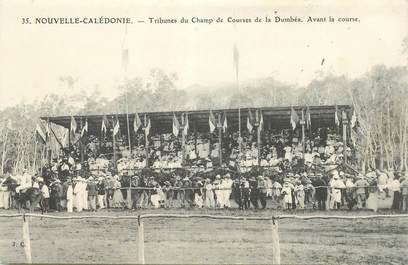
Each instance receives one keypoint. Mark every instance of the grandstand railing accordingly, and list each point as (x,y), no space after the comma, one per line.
(276,259)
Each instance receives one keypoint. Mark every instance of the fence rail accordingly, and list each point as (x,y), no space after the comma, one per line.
(141,257)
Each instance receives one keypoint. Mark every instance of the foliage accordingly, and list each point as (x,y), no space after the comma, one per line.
(379,97)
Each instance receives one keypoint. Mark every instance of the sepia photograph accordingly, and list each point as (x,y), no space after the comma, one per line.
(204,132)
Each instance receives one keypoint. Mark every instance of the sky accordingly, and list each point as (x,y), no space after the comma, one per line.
(34,57)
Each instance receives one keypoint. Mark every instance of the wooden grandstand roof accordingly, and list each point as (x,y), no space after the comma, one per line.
(274,118)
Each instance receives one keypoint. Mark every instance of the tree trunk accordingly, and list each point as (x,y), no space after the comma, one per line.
(3,158)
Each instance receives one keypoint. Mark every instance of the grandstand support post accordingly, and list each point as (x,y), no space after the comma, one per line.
(140,245)
(35,155)
(129,194)
(114,145)
(275,242)
(259,143)
(82,145)
(345,125)
(302,122)
(220,138)
(26,240)
(183,145)
(146,143)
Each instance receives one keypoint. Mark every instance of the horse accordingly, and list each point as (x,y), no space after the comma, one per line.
(31,194)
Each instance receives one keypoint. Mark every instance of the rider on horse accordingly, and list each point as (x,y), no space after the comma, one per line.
(25,181)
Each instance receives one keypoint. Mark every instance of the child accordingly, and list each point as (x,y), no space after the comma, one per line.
(287,195)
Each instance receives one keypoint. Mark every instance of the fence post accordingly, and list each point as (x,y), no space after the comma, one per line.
(275,242)
(140,254)
(26,239)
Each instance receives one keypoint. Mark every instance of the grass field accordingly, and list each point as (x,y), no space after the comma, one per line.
(380,241)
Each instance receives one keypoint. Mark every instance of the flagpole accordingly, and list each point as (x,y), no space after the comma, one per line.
(146,143)
(303,131)
(114,143)
(258,113)
(183,140)
(220,137)
(82,144)
(35,153)
(125,61)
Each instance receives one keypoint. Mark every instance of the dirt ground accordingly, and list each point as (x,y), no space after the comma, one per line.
(380,241)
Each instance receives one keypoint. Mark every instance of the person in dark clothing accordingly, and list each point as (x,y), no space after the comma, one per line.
(262,190)
(236,193)
(189,193)
(57,194)
(92,193)
(321,192)
(101,193)
(245,194)
(254,193)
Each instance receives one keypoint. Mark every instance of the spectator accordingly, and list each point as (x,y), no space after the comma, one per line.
(404,192)
(92,193)
(395,187)
(101,192)
(360,186)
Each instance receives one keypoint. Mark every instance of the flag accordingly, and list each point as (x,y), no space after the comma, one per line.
(224,122)
(65,138)
(84,129)
(116,128)
(176,125)
(353,120)
(308,119)
(104,124)
(186,125)
(336,117)
(236,60)
(261,120)
(40,132)
(294,118)
(212,122)
(249,121)
(148,126)
(73,125)
(137,123)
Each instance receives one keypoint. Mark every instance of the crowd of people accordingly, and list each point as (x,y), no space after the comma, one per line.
(307,190)
(279,149)
(283,172)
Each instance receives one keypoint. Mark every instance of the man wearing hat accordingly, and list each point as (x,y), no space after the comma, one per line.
(321,191)
(92,193)
(245,194)
(262,191)
(350,192)
(169,194)
(24,180)
(336,185)
(227,185)
(361,186)
(101,192)
(404,192)
(57,194)
(45,192)
(70,195)
(219,193)
(209,200)
(254,191)
(188,193)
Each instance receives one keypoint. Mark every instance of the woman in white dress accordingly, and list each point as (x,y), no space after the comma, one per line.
(117,200)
